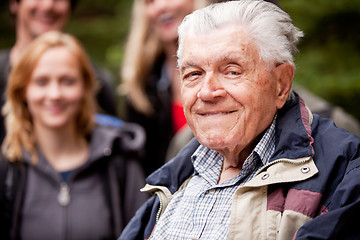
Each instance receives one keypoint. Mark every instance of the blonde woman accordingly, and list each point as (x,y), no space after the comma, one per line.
(76,179)
(150,80)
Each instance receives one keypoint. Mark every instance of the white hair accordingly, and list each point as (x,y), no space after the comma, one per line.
(269,27)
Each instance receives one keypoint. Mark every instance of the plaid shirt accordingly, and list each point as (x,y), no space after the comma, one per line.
(203,208)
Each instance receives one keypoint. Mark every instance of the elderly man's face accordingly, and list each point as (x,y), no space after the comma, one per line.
(230,97)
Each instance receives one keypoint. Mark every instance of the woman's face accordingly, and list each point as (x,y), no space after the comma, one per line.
(165,16)
(56,89)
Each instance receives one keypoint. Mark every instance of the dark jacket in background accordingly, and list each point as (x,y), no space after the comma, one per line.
(104,192)
(158,127)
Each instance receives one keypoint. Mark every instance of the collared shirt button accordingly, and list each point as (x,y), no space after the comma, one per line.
(305,169)
(107,151)
(265,176)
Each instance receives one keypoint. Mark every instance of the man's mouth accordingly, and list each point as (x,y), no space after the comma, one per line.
(48,20)
(216,113)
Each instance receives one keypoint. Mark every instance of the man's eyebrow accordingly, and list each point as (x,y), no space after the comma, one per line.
(187,65)
(231,58)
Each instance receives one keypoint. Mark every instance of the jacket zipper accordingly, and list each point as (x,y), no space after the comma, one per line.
(160,208)
(64,194)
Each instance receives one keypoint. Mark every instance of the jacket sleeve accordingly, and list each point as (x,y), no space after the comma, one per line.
(340,222)
(142,224)
(135,180)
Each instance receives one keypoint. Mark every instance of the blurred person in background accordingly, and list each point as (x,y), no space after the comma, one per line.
(33,18)
(62,175)
(150,79)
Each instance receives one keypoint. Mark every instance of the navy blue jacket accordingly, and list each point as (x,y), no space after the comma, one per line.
(335,184)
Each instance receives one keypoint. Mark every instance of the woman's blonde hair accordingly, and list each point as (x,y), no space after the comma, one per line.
(18,120)
(142,49)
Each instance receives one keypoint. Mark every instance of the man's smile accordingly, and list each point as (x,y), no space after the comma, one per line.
(216,113)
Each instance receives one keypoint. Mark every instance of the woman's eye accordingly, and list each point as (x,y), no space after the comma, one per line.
(42,81)
(68,80)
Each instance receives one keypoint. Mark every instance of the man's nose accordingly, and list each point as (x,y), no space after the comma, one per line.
(211,88)
(47,4)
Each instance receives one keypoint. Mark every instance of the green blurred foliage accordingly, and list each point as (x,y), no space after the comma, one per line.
(7,31)
(102,27)
(327,65)
(329,58)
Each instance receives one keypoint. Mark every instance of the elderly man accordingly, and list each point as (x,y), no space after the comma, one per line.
(262,165)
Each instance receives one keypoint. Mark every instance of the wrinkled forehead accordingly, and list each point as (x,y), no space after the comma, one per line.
(231,38)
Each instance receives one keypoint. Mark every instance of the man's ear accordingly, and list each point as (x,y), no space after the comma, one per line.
(284,74)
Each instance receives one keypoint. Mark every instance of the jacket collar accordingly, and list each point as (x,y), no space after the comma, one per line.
(101,141)
(293,130)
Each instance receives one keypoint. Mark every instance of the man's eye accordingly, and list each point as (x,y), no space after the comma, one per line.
(191,75)
(234,73)
(232,70)
(194,74)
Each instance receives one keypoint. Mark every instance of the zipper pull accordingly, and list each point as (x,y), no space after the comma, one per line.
(64,194)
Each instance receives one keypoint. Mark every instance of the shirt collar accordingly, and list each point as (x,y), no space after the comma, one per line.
(205,158)
(266,146)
